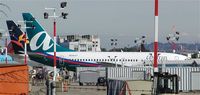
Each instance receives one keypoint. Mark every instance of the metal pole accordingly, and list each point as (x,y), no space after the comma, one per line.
(156,38)
(155,65)
(54,25)
(25,49)
(6,50)
(115,61)
(25,40)
(54,32)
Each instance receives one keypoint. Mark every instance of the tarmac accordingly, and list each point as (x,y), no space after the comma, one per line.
(75,89)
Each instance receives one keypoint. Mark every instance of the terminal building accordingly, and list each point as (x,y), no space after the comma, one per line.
(81,43)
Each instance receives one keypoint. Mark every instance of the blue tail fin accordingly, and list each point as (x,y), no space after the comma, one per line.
(40,41)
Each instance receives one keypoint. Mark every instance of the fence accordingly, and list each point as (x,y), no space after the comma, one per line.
(129,73)
(185,78)
(138,73)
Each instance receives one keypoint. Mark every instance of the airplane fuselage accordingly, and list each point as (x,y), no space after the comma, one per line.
(119,58)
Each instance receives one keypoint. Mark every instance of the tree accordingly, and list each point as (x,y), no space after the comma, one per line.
(103,49)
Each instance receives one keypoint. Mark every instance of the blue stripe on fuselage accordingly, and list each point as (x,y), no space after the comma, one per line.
(71,62)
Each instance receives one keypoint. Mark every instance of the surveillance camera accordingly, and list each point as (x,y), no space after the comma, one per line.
(46,15)
(64,15)
(63,4)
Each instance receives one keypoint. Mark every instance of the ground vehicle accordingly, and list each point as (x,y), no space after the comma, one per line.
(101,81)
(165,83)
(88,77)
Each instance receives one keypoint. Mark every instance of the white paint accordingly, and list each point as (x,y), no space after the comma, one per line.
(155,69)
(54,44)
(45,43)
(156,28)
(128,58)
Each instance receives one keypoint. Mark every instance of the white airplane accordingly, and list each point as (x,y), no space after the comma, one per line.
(42,44)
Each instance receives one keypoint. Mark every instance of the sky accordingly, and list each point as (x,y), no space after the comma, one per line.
(124,20)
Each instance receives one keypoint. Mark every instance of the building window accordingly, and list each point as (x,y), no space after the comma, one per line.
(76,49)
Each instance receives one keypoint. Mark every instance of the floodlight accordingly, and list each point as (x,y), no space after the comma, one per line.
(46,15)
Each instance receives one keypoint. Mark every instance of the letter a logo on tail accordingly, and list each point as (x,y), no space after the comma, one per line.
(45,44)
(40,41)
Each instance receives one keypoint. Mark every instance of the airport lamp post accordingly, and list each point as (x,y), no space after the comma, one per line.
(113,43)
(6,50)
(6,35)
(6,47)
(115,61)
(54,16)
(140,41)
(172,38)
(25,38)
(95,45)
